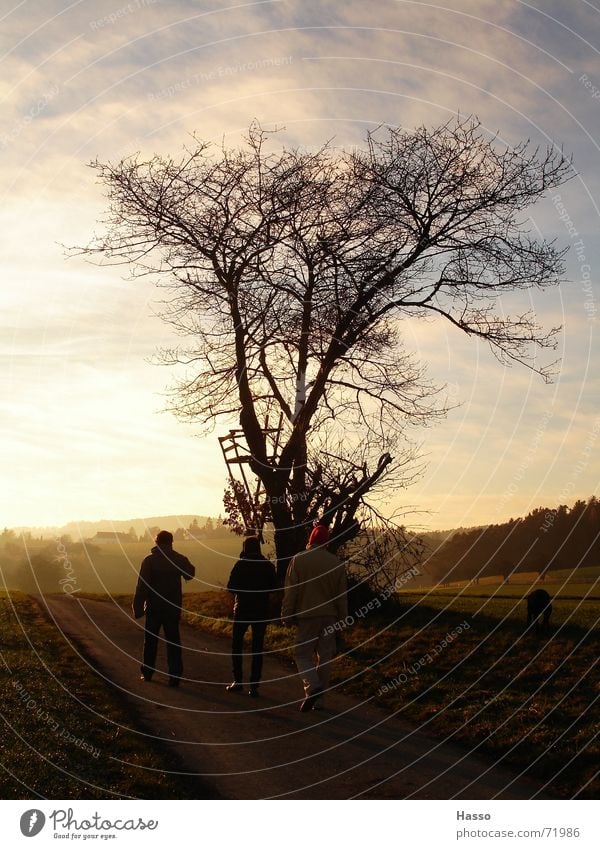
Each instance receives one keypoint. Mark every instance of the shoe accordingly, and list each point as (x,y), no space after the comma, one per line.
(309,701)
(236,687)
(174,682)
(253,691)
(145,677)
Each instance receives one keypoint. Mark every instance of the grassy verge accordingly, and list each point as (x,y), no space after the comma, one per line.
(579,609)
(64,731)
(468,672)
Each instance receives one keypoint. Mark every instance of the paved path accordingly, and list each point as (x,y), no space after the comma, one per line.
(265,748)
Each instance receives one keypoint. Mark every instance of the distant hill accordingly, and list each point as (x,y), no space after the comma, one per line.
(86,530)
(547,538)
(433,539)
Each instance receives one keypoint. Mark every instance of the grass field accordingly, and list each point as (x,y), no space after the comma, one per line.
(575,597)
(561,580)
(213,561)
(41,566)
(65,733)
(462,668)
(528,701)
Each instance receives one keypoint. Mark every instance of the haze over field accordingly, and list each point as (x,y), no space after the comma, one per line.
(87,529)
(553,545)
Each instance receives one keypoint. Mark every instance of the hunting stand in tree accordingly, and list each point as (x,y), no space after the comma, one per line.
(251,498)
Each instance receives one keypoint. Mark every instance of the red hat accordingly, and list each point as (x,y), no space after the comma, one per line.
(319,535)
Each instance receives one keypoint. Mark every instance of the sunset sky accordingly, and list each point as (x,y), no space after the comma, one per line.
(83,435)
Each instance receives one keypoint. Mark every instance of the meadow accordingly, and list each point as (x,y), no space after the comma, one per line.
(455,660)
(575,597)
(117,567)
(66,733)
(48,566)
(460,664)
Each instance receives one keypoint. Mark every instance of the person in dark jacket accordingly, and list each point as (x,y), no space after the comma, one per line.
(158,595)
(252,579)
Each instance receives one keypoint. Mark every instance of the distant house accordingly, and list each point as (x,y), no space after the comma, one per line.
(111,536)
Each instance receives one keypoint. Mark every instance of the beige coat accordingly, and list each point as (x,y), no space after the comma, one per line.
(315,585)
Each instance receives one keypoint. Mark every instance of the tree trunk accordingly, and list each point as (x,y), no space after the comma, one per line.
(289,538)
(288,542)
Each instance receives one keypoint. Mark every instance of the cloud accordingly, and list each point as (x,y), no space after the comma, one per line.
(110,78)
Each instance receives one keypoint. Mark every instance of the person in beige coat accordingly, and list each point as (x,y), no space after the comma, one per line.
(315,599)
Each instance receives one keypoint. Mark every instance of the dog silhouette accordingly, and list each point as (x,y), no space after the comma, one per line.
(539,609)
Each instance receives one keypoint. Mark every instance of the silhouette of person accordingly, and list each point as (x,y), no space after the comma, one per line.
(315,599)
(252,579)
(158,595)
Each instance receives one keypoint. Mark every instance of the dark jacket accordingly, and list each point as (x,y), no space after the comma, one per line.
(159,583)
(251,580)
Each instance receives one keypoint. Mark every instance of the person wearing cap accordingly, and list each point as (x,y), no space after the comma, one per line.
(158,595)
(315,599)
(252,579)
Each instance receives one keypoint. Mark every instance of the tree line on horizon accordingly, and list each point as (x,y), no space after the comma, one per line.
(547,538)
(211,528)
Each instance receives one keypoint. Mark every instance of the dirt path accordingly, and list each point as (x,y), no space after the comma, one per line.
(265,748)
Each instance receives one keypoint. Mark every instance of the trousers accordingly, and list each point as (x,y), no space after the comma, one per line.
(315,641)
(240,626)
(168,620)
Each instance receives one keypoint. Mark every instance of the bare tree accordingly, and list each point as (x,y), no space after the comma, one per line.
(383,557)
(291,273)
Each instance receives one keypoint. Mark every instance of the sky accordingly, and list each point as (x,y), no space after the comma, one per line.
(85,434)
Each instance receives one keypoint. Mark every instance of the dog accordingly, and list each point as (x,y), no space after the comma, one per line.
(539,609)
